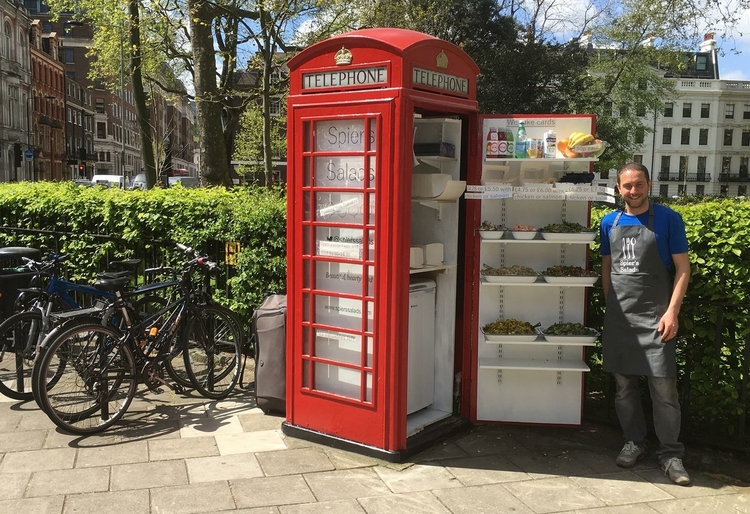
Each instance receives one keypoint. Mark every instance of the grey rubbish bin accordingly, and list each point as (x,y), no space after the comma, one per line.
(11,258)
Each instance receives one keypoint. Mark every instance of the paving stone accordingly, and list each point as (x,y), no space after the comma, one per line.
(483,499)
(294,462)
(206,425)
(552,495)
(35,420)
(705,505)
(740,502)
(346,484)
(342,459)
(210,497)
(420,477)
(700,484)
(547,465)
(442,451)
(171,449)
(38,460)
(257,510)
(250,442)
(334,507)
(146,431)
(261,492)
(484,470)
(68,481)
(604,461)
(59,439)
(223,467)
(257,421)
(408,503)
(111,455)
(130,502)
(638,508)
(610,489)
(9,420)
(41,505)
(481,443)
(147,475)
(21,441)
(13,485)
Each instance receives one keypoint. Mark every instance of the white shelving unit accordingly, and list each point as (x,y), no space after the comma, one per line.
(437,222)
(532,381)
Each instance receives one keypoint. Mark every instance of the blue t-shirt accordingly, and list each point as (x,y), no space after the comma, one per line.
(668,228)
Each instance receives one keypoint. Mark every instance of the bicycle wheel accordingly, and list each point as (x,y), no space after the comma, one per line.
(19,336)
(211,351)
(98,381)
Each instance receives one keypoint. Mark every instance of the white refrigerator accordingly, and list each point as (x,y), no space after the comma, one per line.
(421,379)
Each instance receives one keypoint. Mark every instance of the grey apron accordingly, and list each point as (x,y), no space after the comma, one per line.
(639,294)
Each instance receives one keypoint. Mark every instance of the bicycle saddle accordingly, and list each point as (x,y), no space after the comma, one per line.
(111,284)
(128,264)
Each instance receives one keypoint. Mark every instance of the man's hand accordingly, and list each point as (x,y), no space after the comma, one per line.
(668,325)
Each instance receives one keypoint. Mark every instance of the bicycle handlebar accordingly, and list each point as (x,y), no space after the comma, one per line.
(199,259)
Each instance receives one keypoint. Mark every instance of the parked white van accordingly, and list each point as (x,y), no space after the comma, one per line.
(184,181)
(110,181)
(139,181)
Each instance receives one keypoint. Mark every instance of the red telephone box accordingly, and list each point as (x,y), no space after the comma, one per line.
(359,372)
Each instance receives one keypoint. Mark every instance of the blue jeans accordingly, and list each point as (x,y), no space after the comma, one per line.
(666,405)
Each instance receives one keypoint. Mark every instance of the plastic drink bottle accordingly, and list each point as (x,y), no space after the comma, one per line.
(550,144)
(521,140)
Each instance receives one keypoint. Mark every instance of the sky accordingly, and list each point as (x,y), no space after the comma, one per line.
(731,65)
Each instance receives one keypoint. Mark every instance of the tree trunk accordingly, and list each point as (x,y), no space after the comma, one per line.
(214,168)
(266,94)
(139,95)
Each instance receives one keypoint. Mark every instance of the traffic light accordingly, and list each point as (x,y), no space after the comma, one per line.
(81,170)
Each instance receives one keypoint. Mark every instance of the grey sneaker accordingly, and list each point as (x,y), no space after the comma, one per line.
(674,469)
(630,454)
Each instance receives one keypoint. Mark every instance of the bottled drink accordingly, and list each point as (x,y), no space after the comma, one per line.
(502,144)
(511,144)
(492,150)
(521,140)
(550,144)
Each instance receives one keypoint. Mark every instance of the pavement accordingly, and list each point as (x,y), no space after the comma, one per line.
(185,454)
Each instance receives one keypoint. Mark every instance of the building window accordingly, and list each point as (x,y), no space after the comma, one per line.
(726,164)
(702,164)
(275,107)
(668,110)
(701,63)
(685,136)
(683,166)
(7,40)
(742,190)
(665,163)
(687,110)
(100,105)
(640,135)
(640,109)
(746,114)
(743,166)
(664,190)
(638,158)
(666,136)
(46,27)
(681,189)
(703,137)
(745,137)
(729,111)
(101,130)
(728,137)
(705,110)
(68,56)
(700,190)
(724,190)
(624,111)
(71,75)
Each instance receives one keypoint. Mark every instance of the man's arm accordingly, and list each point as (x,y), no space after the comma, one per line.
(606,273)
(669,323)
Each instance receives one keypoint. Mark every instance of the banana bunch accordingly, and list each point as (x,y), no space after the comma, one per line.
(580,139)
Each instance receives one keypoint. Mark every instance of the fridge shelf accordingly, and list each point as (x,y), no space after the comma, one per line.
(431,269)
(533,364)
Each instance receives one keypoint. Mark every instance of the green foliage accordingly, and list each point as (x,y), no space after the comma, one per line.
(102,224)
(710,360)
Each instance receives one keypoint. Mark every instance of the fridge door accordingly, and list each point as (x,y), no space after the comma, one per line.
(421,378)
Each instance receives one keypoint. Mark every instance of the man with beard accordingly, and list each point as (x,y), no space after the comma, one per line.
(645,273)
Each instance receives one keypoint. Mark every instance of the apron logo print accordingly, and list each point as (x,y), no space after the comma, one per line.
(628,248)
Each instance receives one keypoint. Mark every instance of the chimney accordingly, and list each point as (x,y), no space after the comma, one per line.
(709,43)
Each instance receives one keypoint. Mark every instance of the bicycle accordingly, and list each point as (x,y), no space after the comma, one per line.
(102,365)
(22,332)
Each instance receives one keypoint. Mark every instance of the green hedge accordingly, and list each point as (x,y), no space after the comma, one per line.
(100,224)
(711,362)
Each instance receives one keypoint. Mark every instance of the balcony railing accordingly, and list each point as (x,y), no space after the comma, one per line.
(732,177)
(680,177)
